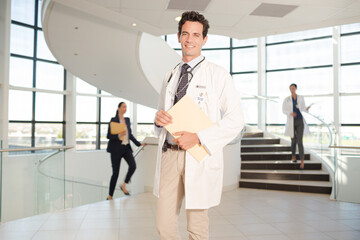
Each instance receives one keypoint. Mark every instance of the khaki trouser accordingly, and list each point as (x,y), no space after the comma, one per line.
(171,195)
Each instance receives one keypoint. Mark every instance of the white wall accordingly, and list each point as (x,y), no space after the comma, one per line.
(348,179)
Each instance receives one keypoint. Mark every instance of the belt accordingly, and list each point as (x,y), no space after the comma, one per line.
(172,147)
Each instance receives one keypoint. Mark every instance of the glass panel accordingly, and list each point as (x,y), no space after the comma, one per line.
(250,109)
(220,57)
(309,81)
(86,109)
(300,54)
(19,135)
(246,84)
(299,35)
(21,72)
(22,40)
(173,41)
(350,78)
(49,76)
(244,42)
(350,28)
(349,114)
(84,87)
(85,136)
(144,131)
(350,136)
(49,107)
(350,49)
(103,134)
(274,114)
(322,107)
(105,93)
(145,114)
(42,48)
(23,11)
(244,60)
(217,41)
(109,105)
(20,105)
(48,135)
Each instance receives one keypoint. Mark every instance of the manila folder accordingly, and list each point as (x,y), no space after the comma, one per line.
(187,116)
(117,128)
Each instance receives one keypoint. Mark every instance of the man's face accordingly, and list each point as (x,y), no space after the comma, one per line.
(191,40)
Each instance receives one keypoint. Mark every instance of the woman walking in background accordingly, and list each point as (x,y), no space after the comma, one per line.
(295,124)
(119,147)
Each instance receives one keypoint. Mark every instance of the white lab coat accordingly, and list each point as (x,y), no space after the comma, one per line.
(288,109)
(212,88)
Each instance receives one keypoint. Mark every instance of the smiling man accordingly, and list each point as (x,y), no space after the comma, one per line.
(178,174)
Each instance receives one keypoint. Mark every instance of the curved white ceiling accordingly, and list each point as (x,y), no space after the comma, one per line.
(96,39)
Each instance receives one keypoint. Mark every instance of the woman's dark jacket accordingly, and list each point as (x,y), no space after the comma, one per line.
(114,144)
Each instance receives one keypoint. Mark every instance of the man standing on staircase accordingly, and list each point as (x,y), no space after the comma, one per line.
(295,125)
(178,174)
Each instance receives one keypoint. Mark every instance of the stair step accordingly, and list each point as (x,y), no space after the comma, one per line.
(253,135)
(257,141)
(299,175)
(296,186)
(265,148)
(246,156)
(273,165)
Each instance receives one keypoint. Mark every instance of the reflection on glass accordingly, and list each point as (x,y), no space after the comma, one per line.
(85,136)
(86,109)
(244,42)
(21,40)
(145,114)
(144,131)
(49,107)
(103,136)
(109,105)
(84,87)
(245,60)
(21,72)
(42,48)
(349,80)
(350,49)
(48,135)
(350,136)
(309,81)
(299,35)
(23,11)
(300,54)
(20,105)
(220,57)
(349,112)
(217,41)
(246,84)
(49,76)
(19,135)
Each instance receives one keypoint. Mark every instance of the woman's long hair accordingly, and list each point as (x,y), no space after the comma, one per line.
(117,111)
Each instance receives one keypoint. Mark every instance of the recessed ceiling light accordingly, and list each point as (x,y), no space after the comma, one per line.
(178,19)
(75,54)
(76,28)
(134,24)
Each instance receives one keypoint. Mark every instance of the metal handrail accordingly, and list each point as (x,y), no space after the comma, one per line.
(344,147)
(36,149)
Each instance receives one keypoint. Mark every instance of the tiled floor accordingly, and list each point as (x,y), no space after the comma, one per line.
(244,214)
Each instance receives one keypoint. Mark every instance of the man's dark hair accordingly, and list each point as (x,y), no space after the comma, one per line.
(193,16)
(293,84)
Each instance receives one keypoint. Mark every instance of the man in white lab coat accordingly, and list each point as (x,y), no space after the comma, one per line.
(178,174)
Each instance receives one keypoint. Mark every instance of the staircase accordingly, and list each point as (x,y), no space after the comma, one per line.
(265,164)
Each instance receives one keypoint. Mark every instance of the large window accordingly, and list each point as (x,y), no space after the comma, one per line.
(36,118)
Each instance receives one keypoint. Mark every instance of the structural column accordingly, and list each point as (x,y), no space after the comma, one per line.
(5,22)
(70,117)
(261,83)
(336,77)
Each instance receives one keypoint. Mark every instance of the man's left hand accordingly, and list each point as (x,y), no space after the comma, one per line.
(186,140)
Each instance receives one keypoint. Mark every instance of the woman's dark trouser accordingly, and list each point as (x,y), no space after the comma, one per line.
(298,135)
(115,162)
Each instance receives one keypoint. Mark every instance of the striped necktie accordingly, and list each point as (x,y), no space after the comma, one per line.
(183,84)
